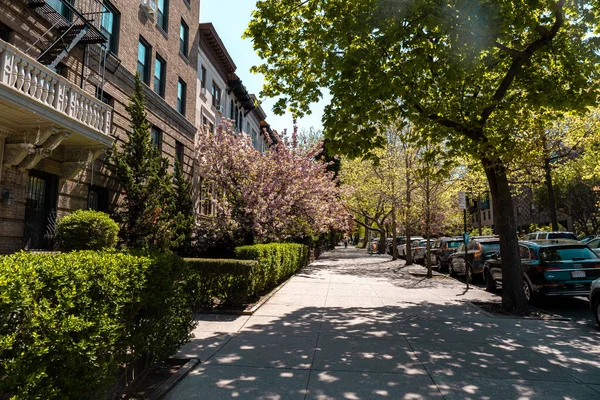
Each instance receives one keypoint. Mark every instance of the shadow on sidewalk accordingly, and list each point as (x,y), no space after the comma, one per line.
(416,350)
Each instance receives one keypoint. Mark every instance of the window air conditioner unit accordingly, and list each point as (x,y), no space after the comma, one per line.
(149,6)
(220,108)
(203,91)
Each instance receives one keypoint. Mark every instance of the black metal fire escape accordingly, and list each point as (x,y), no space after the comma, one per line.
(76,23)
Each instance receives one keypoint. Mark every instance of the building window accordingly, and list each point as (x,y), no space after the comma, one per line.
(61,8)
(162,14)
(97,198)
(160,68)
(104,97)
(254,139)
(5,33)
(179,153)
(489,214)
(484,215)
(216,94)
(202,77)
(205,197)
(231,110)
(143,63)
(156,138)
(110,26)
(61,69)
(181,96)
(184,33)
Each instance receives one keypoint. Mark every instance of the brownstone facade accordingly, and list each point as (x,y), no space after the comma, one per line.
(71,175)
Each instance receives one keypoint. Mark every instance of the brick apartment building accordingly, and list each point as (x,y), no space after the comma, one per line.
(221,94)
(66,73)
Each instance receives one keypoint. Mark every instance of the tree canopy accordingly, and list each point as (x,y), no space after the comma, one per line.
(473,69)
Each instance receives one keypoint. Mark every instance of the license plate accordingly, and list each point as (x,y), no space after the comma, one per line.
(578,274)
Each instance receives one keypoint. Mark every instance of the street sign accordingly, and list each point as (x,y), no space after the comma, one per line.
(462,200)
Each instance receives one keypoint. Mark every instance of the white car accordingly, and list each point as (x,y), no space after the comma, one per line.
(402,247)
(594,244)
(595,300)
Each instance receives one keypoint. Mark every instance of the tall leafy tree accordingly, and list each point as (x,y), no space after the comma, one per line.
(183,209)
(471,68)
(146,209)
(277,195)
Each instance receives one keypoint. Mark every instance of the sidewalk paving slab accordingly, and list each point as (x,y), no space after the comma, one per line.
(465,388)
(241,383)
(330,385)
(256,350)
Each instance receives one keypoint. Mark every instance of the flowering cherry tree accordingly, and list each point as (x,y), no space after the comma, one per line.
(283,193)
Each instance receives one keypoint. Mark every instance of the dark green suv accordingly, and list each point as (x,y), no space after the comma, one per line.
(550,267)
(442,249)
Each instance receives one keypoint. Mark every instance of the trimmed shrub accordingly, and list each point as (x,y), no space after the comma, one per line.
(227,282)
(86,230)
(71,321)
(276,261)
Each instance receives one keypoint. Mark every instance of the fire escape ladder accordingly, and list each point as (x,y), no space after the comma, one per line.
(73,22)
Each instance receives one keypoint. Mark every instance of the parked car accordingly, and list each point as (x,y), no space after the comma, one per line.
(419,249)
(550,235)
(550,267)
(402,247)
(595,300)
(594,244)
(479,250)
(585,239)
(399,240)
(442,249)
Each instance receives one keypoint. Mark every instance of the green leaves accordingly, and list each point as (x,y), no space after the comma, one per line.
(71,321)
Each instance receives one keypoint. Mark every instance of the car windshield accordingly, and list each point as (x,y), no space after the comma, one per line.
(423,243)
(562,235)
(490,246)
(567,254)
(454,244)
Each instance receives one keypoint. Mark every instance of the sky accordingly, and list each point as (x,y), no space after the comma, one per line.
(230,19)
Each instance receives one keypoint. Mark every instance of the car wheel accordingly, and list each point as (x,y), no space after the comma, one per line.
(451,270)
(527,290)
(438,262)
(596,309)
(490,284)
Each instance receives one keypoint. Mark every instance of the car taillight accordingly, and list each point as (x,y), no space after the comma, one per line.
(544,268)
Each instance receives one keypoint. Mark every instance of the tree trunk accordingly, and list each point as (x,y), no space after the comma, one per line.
(513,297)
(407,222)
(427,226)
(394,235)
(551,199)
(479,219)
(367,231)
(382,242)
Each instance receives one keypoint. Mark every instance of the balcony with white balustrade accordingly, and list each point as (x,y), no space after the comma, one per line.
(42,115)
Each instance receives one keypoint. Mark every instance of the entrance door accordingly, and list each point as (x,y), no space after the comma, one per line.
(40,211)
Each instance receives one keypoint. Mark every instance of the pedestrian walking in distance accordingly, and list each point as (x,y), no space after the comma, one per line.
(345,243)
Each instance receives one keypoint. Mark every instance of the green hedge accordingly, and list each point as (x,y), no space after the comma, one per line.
(226,282)
(69,322)
(86,230)
(276,261)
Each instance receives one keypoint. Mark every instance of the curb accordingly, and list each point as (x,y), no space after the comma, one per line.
(170,383)
(551,317)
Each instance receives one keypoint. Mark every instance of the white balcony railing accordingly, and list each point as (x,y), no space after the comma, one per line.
(25,75)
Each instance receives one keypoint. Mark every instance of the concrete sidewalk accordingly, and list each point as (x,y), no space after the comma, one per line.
(358,326)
